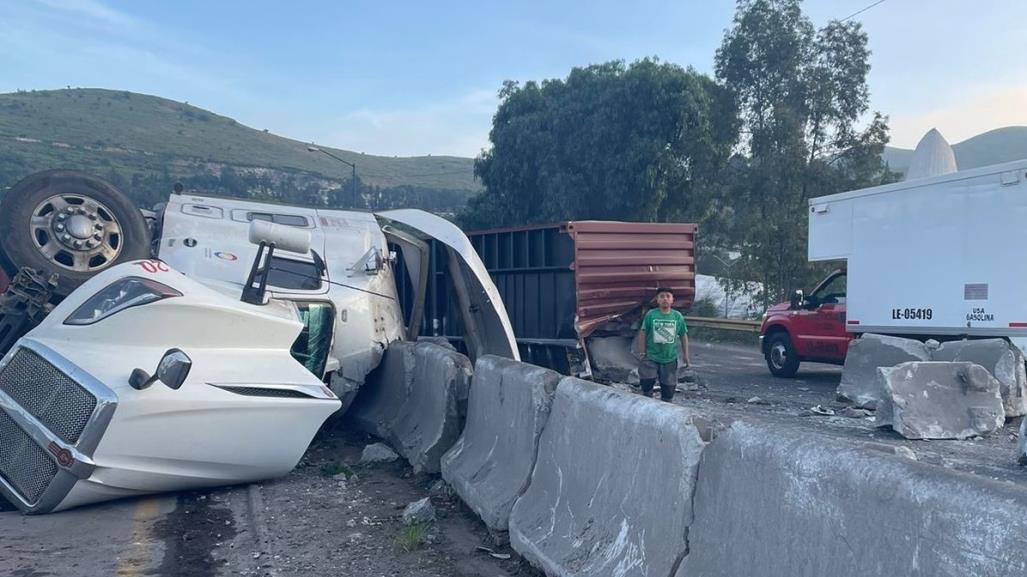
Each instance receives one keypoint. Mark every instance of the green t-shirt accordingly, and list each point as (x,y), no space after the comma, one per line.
(662,335)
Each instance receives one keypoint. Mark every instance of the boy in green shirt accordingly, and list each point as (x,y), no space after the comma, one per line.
(663,334)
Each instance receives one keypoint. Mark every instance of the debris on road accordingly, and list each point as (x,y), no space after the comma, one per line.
(377,453)
(822,411)
(419,512)
(859,375)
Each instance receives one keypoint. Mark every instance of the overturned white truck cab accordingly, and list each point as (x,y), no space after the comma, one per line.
(257,321)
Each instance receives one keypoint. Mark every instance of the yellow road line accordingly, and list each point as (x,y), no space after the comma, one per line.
(140,548)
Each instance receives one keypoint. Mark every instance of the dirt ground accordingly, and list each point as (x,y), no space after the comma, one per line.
(320,524)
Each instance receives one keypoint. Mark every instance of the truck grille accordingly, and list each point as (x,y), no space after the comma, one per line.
(58,402)
(23,463)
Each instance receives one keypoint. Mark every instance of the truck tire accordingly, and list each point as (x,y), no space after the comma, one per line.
(72,224)
(782,359)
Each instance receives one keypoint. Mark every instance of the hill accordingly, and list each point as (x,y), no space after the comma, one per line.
(145,142)
(992,147)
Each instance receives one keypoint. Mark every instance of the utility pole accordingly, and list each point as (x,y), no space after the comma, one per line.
(353,178)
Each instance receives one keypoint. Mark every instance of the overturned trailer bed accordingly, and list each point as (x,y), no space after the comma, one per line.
(564,283)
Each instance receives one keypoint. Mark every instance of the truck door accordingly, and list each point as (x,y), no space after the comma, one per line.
(820,325)
(487,327)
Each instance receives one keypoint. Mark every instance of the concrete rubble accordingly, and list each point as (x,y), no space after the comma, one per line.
(377,453)
(859,382)
(611,491)
(490,465)
(939,400)
(614,359)
(419,512)
(1003,360)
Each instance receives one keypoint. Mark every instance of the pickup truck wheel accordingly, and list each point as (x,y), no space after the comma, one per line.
(72,224)
(781,357)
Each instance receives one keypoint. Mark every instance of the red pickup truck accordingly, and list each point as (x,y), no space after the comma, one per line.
(809,328)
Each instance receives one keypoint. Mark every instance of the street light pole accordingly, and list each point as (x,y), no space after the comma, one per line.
(353,178)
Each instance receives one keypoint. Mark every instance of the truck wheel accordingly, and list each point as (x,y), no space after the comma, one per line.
(72,224)
(781,357)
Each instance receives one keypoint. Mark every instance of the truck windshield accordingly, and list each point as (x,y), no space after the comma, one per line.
(311,347)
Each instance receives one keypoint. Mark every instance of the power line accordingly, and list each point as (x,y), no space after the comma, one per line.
(858,12)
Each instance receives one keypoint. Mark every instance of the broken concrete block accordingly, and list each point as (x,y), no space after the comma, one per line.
(781,501)
(611,493)
(377,453)
(1003,360)
(613,359)
(939,400)
(490,465)
(865,356)
(419,512)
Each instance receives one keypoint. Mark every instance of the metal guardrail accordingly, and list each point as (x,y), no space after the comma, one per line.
(728,324)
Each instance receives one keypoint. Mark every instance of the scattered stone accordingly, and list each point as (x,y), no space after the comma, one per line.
(419,512)
(377,453)
(940,400)
(757,401)
(340,477)
(441,490)
(822,411)
(859,383)
(905,452)
(612,359)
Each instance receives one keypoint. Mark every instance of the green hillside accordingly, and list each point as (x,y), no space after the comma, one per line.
(145,141)
(992,147)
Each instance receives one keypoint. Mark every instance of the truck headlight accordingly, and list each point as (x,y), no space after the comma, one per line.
(124,294)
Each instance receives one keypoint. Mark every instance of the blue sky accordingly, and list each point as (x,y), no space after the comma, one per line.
(411,78)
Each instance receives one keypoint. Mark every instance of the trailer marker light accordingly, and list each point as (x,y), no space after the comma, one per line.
(853,322)
(1018,325)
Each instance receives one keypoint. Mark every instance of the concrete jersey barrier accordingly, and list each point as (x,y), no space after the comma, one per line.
(777,501)
(412,402)
(490,465)
(611,493)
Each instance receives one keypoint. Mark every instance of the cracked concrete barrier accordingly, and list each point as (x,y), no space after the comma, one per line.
(386,389)
(939,400)
(412,402)
(490,465)
(859,375)
(785,502)
(1003,360)
(611,493)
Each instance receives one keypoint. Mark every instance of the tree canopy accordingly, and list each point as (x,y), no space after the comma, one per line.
(640,142)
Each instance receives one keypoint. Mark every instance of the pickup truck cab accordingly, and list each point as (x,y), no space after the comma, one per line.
(809,328)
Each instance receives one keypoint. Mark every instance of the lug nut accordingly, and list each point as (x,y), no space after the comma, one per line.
(92,216)
(60,228)
(78,244)
(98,226)
(89,244)
(61,216)
(66,237)
(97,237)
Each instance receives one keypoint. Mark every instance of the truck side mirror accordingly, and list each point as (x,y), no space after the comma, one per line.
(172,370)
(797,298)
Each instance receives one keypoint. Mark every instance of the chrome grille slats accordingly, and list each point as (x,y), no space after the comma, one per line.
(49,395)
(23,463)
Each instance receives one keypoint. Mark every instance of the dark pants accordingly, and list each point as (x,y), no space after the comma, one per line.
(667,373)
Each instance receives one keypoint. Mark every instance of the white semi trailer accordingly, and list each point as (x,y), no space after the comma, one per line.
(932,257)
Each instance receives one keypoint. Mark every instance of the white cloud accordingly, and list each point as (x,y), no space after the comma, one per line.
(94,10)
(980,111)
(458,127)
